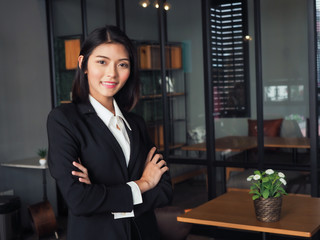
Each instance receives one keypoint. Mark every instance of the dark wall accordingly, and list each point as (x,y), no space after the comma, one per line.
(24,97)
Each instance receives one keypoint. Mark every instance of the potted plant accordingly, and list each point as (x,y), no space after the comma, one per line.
(267,189)
(42,153)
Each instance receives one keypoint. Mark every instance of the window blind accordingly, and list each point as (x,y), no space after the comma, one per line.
(229,55)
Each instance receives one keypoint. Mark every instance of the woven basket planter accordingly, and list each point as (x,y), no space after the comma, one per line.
(268,210)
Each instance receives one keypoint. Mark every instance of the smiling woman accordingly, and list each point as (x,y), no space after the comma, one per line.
(107,71)
(100,154)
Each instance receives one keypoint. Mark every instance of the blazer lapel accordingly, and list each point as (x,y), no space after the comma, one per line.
(96,122)
(134,136)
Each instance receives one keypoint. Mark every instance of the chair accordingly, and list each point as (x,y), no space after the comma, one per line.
(169,227)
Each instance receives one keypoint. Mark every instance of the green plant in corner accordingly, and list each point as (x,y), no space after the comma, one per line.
(42,152)
(267,184)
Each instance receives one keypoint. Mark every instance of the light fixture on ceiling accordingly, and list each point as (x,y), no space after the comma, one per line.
(156,4)
(144,3)
(167,6)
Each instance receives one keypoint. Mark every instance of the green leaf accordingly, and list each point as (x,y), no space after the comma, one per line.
(266,186)
(277,195)
(280,189)
(265,193)
(254,192)
(265,179)
(257,172)
(254,197)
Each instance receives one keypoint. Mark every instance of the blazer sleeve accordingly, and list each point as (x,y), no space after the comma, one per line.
(160,195)
(82,199)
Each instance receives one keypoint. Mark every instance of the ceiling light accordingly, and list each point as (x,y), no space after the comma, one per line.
(144,3)
(166,6)
(156,4)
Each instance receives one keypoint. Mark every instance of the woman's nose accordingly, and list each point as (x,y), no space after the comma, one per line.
(111,70)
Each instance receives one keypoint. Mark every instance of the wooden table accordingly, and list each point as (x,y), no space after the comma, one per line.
(245,143)
(242,143)
(300,216)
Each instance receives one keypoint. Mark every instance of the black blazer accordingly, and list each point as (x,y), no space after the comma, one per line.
(75,131)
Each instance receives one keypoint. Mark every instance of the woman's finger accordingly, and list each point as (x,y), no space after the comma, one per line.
(80,167)
(83,175)
(79,174)
(162,163)
(150,154)
(84,180)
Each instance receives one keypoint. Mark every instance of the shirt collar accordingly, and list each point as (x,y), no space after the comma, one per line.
(119,113)
(105,114)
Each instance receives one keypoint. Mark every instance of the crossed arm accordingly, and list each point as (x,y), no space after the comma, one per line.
(154,168)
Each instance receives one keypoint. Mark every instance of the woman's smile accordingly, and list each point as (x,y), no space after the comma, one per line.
(109,84)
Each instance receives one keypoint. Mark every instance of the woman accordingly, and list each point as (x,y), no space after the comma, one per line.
(128,179)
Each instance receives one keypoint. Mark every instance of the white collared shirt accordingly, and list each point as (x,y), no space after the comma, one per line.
(116,124)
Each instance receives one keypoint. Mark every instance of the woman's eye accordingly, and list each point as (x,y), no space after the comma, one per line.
(124,65)
(101,62)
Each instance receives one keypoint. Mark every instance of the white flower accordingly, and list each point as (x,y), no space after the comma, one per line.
(280,174)
(269,171)
(256,177)
(250,178)
(284,182)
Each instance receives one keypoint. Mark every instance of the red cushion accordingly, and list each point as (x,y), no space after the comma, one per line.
(271,128)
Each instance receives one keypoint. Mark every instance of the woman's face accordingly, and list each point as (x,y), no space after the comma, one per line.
(108,70)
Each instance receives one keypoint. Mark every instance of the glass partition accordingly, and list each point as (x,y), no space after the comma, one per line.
(142,28)
(285,82)
(100,13)
(186,98)
(68,36)
(234,88)
(141,22)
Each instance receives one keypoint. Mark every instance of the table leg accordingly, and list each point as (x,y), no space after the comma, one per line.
(44,183)
(294,155)
(264,236)
(246,155)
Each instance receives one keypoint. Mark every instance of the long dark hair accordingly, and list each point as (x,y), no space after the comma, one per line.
(128,96)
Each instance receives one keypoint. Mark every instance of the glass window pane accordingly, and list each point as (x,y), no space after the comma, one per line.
(67,17)
(186,105)
(284,36)
(141,23)
(100,13)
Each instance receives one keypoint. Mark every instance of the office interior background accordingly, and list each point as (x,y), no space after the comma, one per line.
(278,68)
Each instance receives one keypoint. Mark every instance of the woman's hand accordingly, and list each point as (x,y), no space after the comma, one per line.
(83,175)
(155,166)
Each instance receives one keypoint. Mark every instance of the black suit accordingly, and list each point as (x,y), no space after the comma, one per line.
(75,131)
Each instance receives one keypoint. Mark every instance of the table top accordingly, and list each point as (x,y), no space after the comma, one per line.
(300,216)
(242,143)
(287,142)
(25,163)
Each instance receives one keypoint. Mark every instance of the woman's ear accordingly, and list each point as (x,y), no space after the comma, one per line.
(80,59)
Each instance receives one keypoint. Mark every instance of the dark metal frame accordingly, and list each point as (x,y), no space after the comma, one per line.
(313,89)
(120,15)
(163,40)
(210,141)
(49,16)
(259,84)
(84,19)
